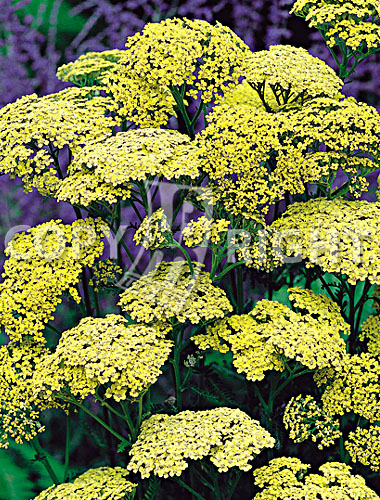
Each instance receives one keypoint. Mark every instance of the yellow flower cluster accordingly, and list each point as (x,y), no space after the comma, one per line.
(363,445)
(171,291)
(89,68)
(370,332)
(244,94)
(339,236)
(18,412)
(354,388)
(103,483)
(105,274)
(174,54)
(259,340)
(104,170)
(154,231)
(33,130)
(204,231)
(228,436)
(353,23)
(289,75)
(125,358)
(304,418)
(286,478)
(254,160)
(42,264)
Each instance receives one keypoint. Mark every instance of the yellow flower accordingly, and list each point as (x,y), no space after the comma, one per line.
(124,358)
(370,332)
(154,231)
(363,445)
(171,291)
(228,436)
(202,231)
(103,483)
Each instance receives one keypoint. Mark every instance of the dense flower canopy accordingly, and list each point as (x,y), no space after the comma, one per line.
(288,75)
(254,158)
(171,291)
(42,264)
(287,477)
(103,483)
(229,437)
(339,236)
(34,129)
(126,359)
(260,340)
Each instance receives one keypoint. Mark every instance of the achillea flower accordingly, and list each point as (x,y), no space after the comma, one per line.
(254,160)
(286,478)
(290,75)
(19,411)
(103,483)
(260,340)
(154,231)
(124,358)
(89,68)
(339,236)
(34,129)
(370,332)
(353,388)
(351,23)
(42,264)
(204,231)
(304,418)
(169,55)
(106,274)
(171,291)
(229,437)
(363,445)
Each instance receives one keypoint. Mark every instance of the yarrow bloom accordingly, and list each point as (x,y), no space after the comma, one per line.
(363,445)
(44,263)
(370,332)
(19,410)
(204,231)
(106,169)
(124,358)
(289,75)
(253,160)
(304,418)
(186,57)
(351,23)
(103,483)
(89,68)
(105,274)
(171,291)
(229,437)
(260,340)
(33,130)
(286,477)
(336,235)
(154,231)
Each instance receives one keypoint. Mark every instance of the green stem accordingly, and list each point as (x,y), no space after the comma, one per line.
(187,256)
(188,488)
(67,448)
(128,419)
(234,485)
(42,457)
(240,290)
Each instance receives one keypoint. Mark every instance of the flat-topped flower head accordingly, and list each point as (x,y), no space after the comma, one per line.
(254,158)
(370,332)
(19,411)
(363,445)
(286,477)
(351,23)
(273,333)
(43,263)
(290,75)
(123,358)
(103,483)
(89,68)
(353,388)
(34,129)
(229,437)
(204,231)
(337,235)
(305,419)
(154,231)
(171,291)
